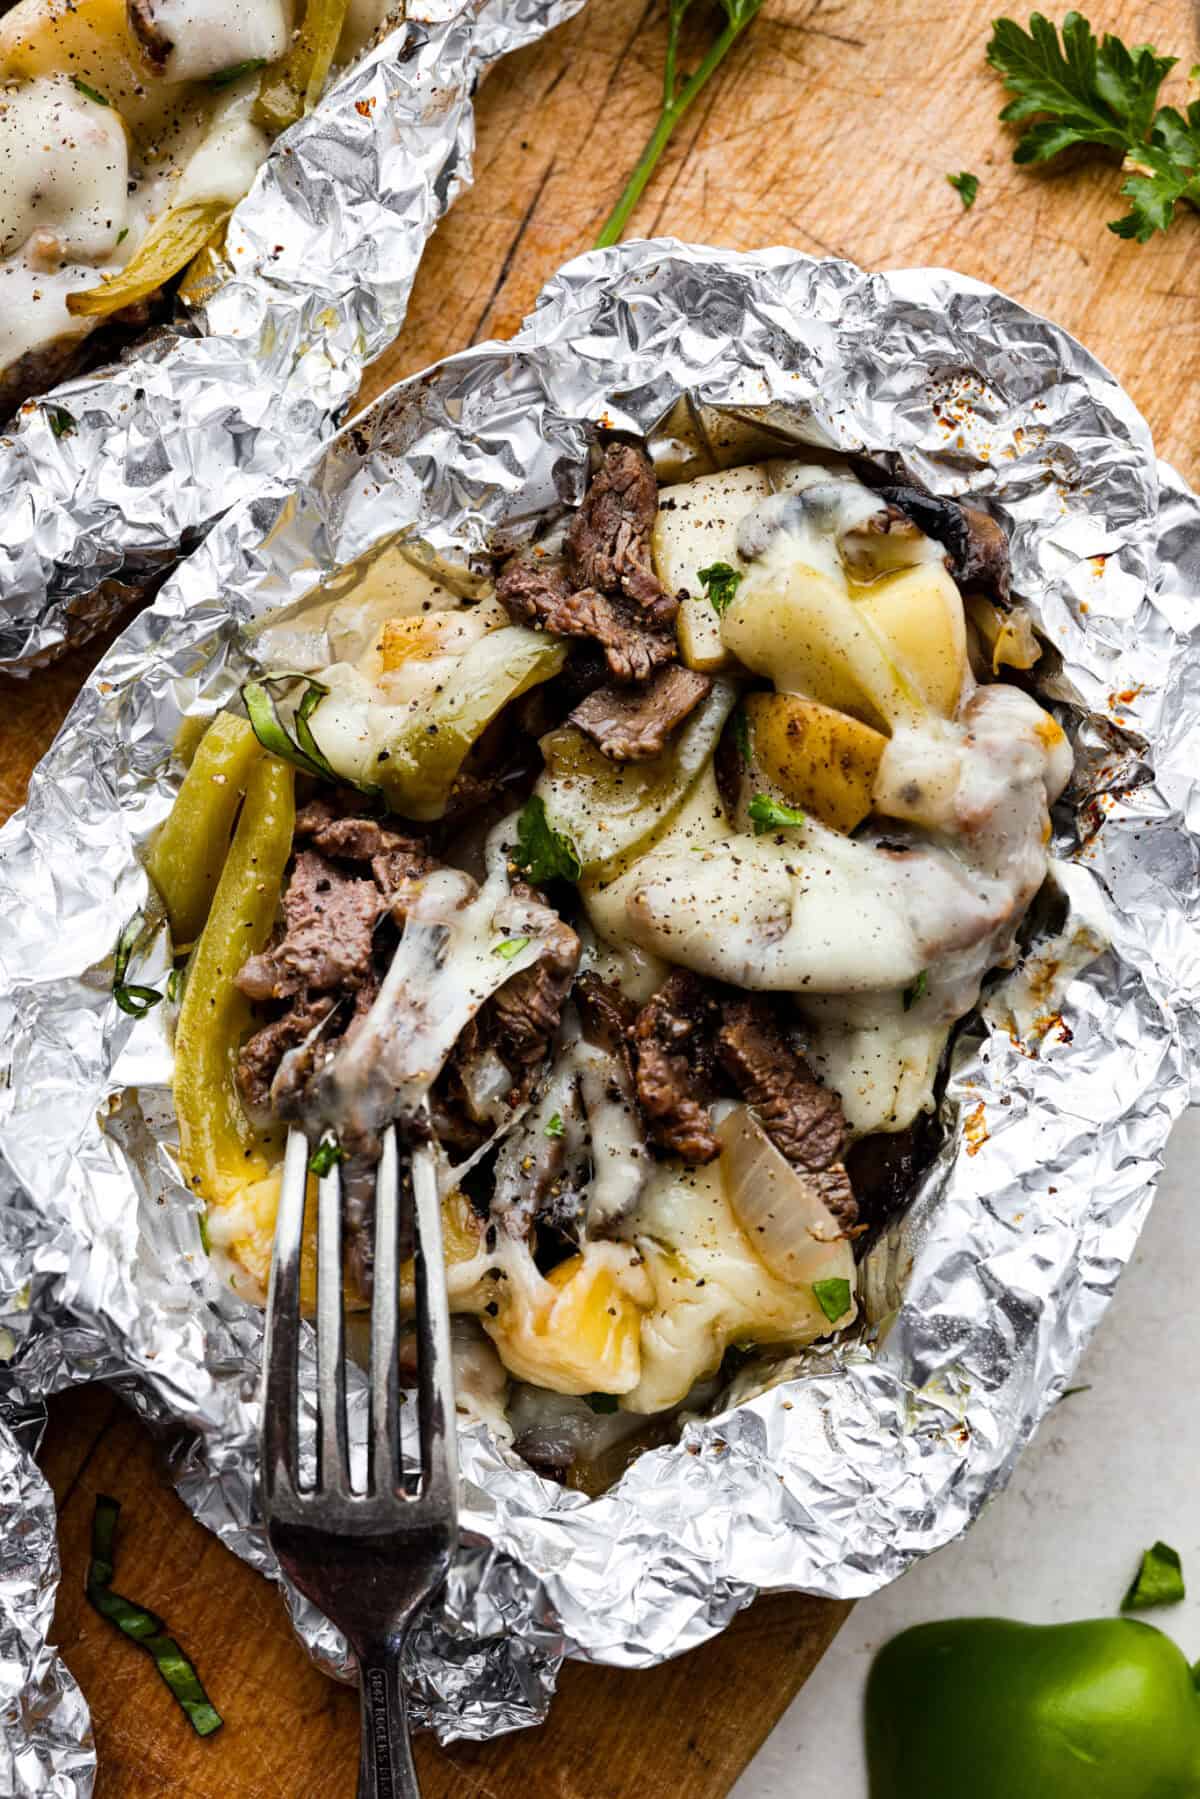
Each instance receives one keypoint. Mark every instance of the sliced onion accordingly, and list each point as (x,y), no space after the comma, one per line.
(1008,637)
(779,1207)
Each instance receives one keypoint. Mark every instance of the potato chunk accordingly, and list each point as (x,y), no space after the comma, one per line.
(696,527)
(823,760)
(918,612)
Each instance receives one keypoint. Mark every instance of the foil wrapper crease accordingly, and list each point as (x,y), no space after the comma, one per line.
(320,260)
(871,1452)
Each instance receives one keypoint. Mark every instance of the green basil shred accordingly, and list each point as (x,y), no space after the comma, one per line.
(917,991)
(721,582)
(767,814)
(61,422)
(544,853)
(554,1125)
(144,1627)
(512,946)
(227,77)
(325,1156)
(90,93)
(833,1297)
(133,1000)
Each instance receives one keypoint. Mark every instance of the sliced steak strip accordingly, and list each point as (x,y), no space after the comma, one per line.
(802,1118)
(523,1016)
(328,937)
(672,1040)
(535,591)
(608,542)
(632,724)
(262,1054)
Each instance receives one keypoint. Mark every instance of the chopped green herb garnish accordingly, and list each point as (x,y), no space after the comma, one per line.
(1070,1392)
(767,814)
(966,186)
(512,946)
(721,582)
(144,1627)
(1159,1580)
(60,421)
(833,1297)
(122,234)
(554,1125)
(175,982)
(917,991)
(1096,91)
(90,93)
(740,725)
(603,1402)
(136,1001)
(325,1156)
(227,77)
(544,853)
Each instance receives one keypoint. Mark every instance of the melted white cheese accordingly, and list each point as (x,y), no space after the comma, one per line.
(210,36)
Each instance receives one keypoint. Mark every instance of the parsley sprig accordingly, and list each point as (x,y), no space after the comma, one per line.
(677,95)
(544,853)
(1089,90)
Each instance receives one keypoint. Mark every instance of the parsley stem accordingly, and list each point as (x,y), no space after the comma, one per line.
(675,105)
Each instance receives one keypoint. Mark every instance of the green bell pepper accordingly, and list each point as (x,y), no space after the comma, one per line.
(981,1707)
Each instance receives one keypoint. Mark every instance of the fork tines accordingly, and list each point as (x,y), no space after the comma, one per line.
(332,1502)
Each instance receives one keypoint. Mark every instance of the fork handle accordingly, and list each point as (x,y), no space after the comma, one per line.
(386,1769)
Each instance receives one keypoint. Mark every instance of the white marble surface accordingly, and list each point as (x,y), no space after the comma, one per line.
(1110,1470)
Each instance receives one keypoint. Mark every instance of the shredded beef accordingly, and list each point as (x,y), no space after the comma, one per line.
(523,1016)
(608,543)
(689,1035)
(155,44)
(605,1013)
(672,1039)
(632,724)
(535,591)
(328,936)
(803,1119)
(604,586)
(262,1054)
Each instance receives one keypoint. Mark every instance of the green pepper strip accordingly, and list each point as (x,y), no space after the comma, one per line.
(187,856)
(146,1628)
(181,234)
(219,1147)
(294,84)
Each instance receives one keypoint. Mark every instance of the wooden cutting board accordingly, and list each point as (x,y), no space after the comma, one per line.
(831,128)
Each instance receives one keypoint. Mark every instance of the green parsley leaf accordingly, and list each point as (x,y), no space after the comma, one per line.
(721,582)
(1097,92)
(512,946)
(134,1001)
(1159,1580)
(833,1297)
(966,186)
(554,1126)
(227,77)
(916,991)
(90,93)
(60,421)
(122,234)
(603,1402)
(145,1628)
(767,814)
(325,1156)
(740,726)
(544,853)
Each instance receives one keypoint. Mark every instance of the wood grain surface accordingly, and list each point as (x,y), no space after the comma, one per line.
(832,128)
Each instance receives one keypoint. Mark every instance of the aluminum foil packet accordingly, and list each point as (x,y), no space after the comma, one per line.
(319,263)
(1062,1089)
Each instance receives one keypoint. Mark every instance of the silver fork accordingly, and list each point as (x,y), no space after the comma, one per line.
(369,1560)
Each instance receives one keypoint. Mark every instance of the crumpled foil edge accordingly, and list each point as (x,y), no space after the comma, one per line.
(321,256)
